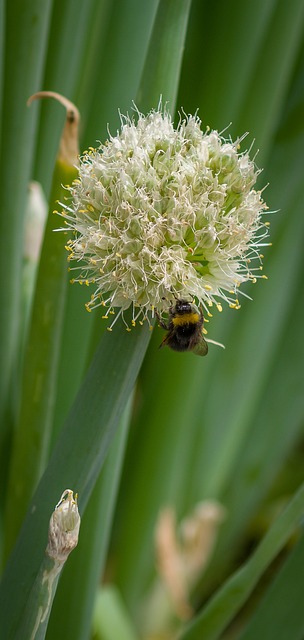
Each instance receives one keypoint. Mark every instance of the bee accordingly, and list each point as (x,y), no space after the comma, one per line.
(184,328)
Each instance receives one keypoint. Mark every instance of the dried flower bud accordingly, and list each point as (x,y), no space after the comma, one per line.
(63,528)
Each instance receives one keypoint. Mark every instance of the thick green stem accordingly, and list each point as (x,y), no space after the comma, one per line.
(27,24)
(32,436)
(63,538)
(77,457)
(233,594)
(161,72)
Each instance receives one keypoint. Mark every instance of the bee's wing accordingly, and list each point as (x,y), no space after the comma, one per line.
(201,349)
(164,342)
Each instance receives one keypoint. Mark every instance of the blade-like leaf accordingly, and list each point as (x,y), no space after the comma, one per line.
(33,431)
(222,608)
(280,614)
(27,23)
(69,37)
(77,457)
(162,67)
(71,615)
(103,91)
(111,619)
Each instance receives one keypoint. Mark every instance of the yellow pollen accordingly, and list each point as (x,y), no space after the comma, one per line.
(219,307)
(208,287)
(128,329)
(105,317)
(109,329)
(205,331)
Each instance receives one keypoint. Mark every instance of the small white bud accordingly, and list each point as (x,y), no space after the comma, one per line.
(63,528)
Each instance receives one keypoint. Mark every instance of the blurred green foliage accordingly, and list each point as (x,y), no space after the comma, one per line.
(226,428)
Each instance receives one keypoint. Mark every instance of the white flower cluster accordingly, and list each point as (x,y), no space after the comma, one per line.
(161,213)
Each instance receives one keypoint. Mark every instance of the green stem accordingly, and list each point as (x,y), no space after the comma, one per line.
(229,599)
(63,538)
(161,72)
(27,24)
(73,607)
(77,457)
(33,432)
(43,592)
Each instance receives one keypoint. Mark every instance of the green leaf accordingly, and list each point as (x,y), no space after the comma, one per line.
(201,417)
(27,23)
(225,604)
(2,44)
(275,428)
(273,70)
(69,37)
(104,90)
(77,458)
(280,613)
(32,437)
(73,607)
(117,66)
(111,619)
(63,535)
(161,72)
(157,467)
(272,402)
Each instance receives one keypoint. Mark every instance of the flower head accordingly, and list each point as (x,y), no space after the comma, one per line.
(161,213)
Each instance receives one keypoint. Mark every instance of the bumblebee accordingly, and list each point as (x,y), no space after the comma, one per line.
(184,328)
